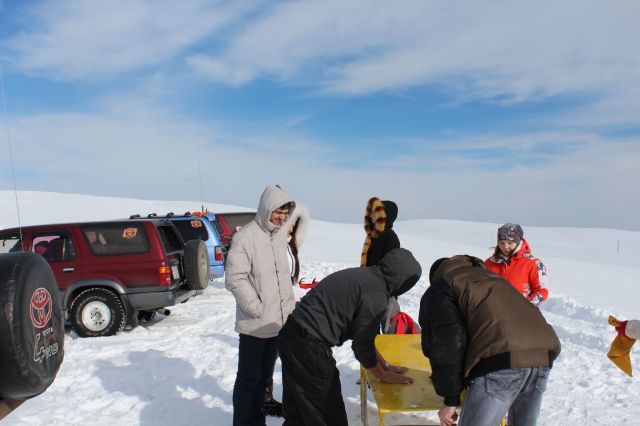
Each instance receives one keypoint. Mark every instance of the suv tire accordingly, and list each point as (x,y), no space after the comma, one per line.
(196,265)
(97,312)
(31,326)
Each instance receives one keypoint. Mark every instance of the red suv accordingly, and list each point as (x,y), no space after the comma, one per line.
(110,272)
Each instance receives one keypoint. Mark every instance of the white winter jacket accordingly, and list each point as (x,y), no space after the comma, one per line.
(257,271)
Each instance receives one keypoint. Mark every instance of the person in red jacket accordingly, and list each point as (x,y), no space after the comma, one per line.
(513,261)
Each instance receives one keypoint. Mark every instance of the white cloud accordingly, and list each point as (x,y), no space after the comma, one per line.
(480,50)
(498,51)
(77,39)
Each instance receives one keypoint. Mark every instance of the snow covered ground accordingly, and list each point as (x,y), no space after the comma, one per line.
(180,369)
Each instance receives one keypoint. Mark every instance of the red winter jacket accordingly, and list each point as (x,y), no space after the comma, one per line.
(523,270)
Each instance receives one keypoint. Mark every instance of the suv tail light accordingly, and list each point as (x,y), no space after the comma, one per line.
(164,273)
(218,253)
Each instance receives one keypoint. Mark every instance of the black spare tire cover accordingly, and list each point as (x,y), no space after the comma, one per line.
(31,326)
(196,265)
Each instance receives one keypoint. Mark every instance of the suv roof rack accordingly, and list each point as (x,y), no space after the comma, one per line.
(168,215)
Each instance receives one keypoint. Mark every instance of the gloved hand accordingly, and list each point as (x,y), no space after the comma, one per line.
(537,300)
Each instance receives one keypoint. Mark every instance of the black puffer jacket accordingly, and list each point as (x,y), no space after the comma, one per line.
(388,240)
(350,304)
(474,322)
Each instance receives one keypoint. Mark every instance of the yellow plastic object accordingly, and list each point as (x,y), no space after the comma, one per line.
(620,349)
(401,350)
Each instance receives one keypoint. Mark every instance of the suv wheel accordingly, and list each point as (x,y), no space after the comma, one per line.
(196,265)
(97,312)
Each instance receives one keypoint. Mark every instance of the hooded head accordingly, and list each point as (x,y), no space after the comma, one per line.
(401,271)
(272,198)
(447,264)
(435,266)
(379,216)
(391,209)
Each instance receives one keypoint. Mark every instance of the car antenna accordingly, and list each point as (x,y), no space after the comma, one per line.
(13,169)
(200,177)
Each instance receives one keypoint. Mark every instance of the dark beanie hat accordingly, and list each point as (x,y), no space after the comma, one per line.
(435,266)
(510,232)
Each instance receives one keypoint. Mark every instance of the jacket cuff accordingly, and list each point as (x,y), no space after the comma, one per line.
(365,354)
(369,363)
(452,400)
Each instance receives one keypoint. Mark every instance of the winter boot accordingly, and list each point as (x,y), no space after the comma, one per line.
(271,407)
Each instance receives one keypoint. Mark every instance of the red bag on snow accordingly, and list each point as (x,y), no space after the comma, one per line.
(308,285)
(402,324)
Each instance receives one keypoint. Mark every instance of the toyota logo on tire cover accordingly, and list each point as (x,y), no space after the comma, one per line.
(40,307)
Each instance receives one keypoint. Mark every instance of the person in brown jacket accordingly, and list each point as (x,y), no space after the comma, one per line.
(477,330)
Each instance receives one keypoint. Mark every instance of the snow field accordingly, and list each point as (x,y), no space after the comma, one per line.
(180,369)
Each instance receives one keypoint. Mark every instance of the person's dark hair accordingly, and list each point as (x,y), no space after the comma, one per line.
(294,251)
(288,206)
(435,266)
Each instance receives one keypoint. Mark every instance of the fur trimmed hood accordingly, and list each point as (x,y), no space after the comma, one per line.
(301,213)
(385,213)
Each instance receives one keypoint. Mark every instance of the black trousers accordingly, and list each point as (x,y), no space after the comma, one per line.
(256,361)
(310,380)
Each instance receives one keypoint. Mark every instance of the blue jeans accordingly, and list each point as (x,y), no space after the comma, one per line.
(516,390)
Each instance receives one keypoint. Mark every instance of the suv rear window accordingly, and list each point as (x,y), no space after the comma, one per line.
(192,229)
(170,240)
(116,238)
(218,227)
(238,220)
(10,243)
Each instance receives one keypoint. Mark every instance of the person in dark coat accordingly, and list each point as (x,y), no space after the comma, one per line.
(479,330)
(381,239)
(378,225)
(346,305)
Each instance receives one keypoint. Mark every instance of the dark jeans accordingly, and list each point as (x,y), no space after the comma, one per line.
(310,380)
(256,361)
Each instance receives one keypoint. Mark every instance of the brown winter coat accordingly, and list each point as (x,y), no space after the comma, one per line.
(474,322)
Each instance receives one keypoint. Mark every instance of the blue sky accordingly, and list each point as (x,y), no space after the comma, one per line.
(484,111)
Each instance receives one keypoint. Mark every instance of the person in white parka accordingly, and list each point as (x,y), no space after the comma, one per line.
(258,275)
(295,228)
